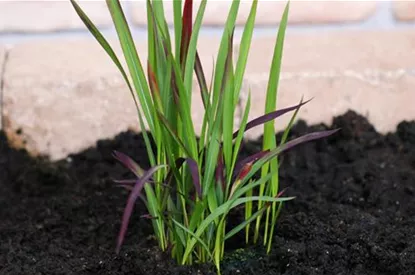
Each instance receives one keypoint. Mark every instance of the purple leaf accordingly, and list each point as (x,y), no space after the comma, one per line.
(300,140)
(290,144)
(228,63)
(129,163)
(127,184)
(201,80)
(135,193)
(194,171)
(219,170)
(268,117)
(186,30)
(306,138)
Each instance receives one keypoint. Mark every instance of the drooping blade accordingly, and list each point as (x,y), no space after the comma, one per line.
(292,143)
(129,163)
(270,116)
(306,138)
(134,194)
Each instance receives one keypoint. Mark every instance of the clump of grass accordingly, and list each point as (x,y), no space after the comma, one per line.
(193,184)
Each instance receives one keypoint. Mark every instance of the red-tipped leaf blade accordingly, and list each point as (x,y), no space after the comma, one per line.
(186,30)
(245,170)
(279,195)
(251,158)
(154,88)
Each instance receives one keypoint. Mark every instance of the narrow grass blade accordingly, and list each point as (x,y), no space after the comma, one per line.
(173,134)
(244,171)
(154,210)
(151,55)
(212,155)
(219,176)
(129,163)
(288,145)
(177,18)
(244,47)
(154,87)
(187,131)
(108,49)
(306,138)
(131,201)
(186,31)
(269,116)
(204,93)
(228,107)
(252,158)
(274,77)
(194,171)
(269,140)
(222,210)
(197,215)
(191,54)
(244,224)
(290,123)
(101,40)
(221,58)
(276,211)
(132,59)
(238,142)
(197,238)
(248,184)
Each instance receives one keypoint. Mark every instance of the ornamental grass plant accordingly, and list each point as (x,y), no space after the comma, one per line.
(195,181)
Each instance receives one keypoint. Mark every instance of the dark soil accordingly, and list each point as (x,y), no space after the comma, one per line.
(354,212)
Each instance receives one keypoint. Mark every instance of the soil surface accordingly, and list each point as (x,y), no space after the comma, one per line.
(354,211)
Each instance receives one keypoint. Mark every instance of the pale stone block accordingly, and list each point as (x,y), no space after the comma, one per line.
(270,12)
(60,97)
(404,10)
(48,16)
(369,72)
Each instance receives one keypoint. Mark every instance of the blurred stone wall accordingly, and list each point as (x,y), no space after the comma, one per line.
(60,93)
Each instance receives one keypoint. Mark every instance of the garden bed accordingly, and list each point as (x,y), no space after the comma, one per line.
(354,211)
